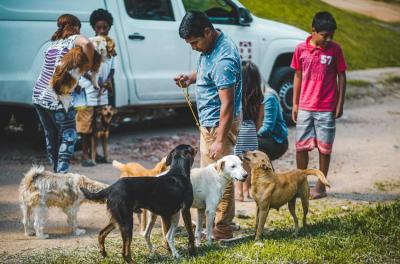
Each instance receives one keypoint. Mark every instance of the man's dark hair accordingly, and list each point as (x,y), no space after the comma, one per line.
(101,14)
(323,21)
(193,24)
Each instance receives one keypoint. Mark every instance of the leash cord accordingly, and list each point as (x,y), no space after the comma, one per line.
(187,97)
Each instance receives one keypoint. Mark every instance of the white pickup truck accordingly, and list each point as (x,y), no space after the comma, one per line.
(150,52)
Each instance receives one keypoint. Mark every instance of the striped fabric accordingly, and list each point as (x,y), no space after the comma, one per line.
(247,138)
(43,95)
(315,129)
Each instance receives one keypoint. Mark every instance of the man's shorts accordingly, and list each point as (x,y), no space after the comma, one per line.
(315,129)
(84,119)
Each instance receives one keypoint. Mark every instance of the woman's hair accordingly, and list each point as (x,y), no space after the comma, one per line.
(252,95)
(101,14)
(66,24)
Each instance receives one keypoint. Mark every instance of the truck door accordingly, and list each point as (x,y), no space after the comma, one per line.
(156,52)
(224,15)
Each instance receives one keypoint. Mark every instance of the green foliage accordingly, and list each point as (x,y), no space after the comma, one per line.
(358,83)
(360,234)
(367,43)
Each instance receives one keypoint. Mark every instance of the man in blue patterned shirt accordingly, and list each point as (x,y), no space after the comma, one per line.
(218,96)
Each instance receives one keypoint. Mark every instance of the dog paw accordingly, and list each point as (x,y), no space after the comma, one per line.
(103,254)
(30,233)
(43,236)
(197,243)
(79,232)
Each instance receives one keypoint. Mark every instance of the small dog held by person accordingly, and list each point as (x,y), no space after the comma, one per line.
(39,190)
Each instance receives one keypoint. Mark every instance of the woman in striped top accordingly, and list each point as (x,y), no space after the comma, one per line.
(253,115)
(57,120)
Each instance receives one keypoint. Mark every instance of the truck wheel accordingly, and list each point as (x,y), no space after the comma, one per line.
(282,82)
(5,117)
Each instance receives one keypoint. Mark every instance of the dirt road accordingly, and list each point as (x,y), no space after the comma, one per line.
(365,167)
(387,12)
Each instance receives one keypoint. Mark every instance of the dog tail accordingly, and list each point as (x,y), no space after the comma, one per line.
(92,186)
(319,174)
(30,176)
(118,165)
(100,196)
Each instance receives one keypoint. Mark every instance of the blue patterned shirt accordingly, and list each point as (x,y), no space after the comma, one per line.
(218,69)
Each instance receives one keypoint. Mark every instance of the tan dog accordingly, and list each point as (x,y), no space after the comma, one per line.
(272,190)
(102,131)
(134,169)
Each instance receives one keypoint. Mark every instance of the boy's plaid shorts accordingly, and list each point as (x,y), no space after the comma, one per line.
(315,129)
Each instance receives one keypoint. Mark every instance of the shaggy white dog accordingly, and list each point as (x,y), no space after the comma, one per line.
(40,190)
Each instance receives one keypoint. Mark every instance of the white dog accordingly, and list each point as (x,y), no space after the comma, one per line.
(40,190)
(208,187)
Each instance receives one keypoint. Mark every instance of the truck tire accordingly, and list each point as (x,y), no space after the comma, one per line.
(282,83)
(5,117)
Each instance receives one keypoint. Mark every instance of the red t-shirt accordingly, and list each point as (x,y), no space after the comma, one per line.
(319,67)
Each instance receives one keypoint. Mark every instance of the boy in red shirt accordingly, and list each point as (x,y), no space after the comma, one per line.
(318,94)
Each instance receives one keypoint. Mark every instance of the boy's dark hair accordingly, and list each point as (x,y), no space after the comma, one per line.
(101,14)
(323,21)
(193,24)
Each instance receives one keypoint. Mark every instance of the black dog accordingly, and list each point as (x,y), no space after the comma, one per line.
(164,195)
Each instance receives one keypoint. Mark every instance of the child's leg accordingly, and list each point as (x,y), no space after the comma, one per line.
(319,190)
(305,138)
(239,191)
(302,159)
(67,136)
(325,131)
(247,183)
(85,146)
(51,134)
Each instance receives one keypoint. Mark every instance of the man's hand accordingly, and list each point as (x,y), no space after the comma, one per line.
(182,80)
(216,150)
(339,111)
(295,111)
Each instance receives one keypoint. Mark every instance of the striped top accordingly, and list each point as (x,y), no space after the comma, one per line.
(247,138)
(43,94)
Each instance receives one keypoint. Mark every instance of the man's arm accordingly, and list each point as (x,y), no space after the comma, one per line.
(225,121)
(342,91)
(296,94)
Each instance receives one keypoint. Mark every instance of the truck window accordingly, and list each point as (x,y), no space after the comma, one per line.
(150,10)
(219,11)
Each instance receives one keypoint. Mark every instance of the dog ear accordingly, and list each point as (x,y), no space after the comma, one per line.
(267,166)
(220,165)
(168,161)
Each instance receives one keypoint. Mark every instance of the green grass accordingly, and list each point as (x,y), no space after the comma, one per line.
(366,43)
(358,83)
(359,234)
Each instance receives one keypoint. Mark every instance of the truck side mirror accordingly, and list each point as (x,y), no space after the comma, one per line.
(245,17)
